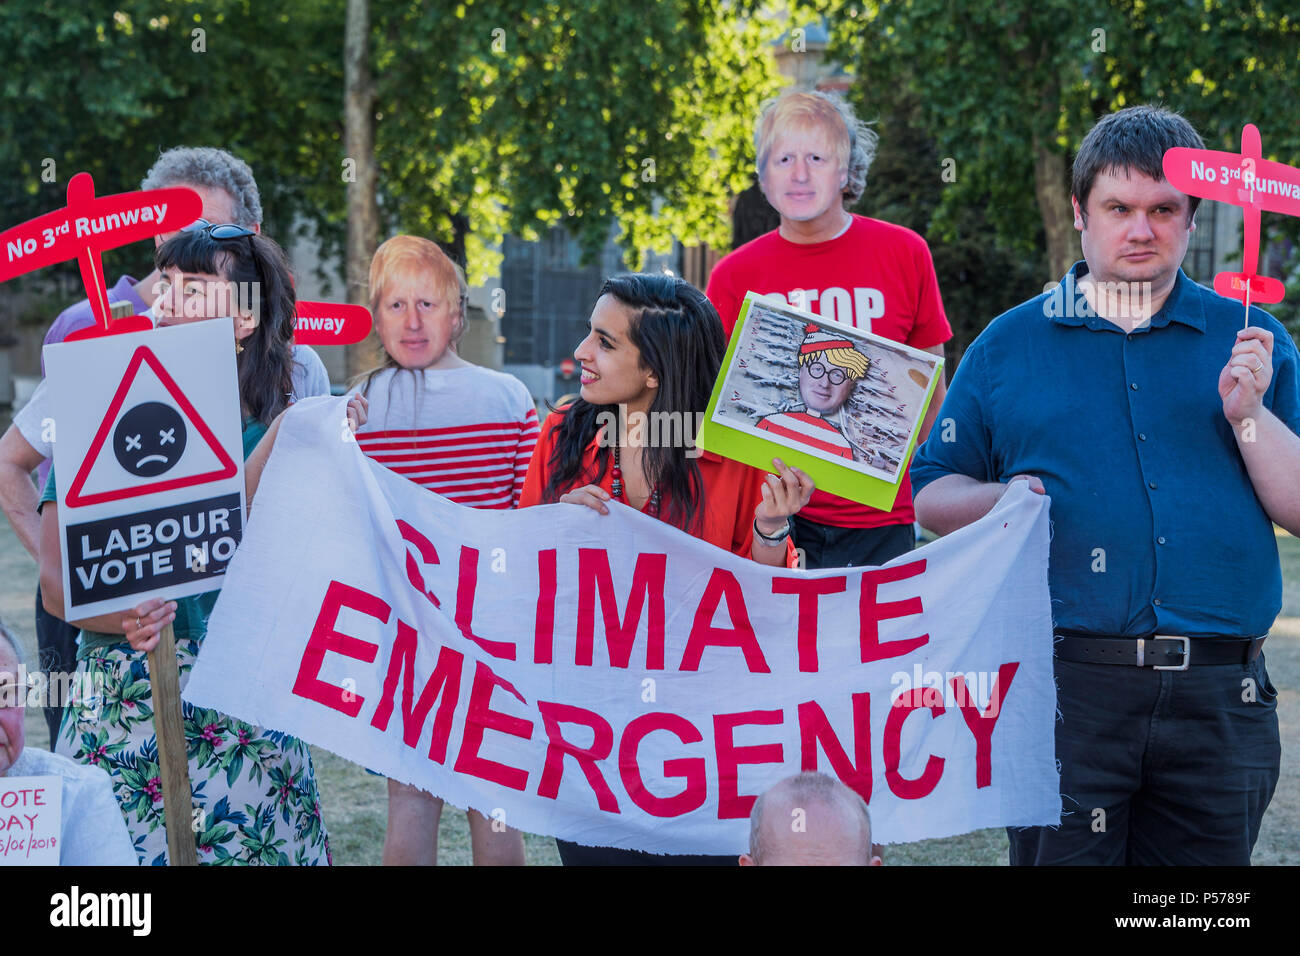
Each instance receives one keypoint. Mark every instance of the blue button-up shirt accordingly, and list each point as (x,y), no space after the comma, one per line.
(1155,524)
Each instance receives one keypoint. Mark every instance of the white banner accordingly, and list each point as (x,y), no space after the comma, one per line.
(610,680)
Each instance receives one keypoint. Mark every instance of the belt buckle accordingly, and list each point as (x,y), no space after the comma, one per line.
(1187,652)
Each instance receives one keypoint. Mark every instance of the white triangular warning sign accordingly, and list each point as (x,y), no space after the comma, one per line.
(152,439)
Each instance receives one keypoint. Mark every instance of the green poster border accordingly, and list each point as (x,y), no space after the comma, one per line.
(759,452)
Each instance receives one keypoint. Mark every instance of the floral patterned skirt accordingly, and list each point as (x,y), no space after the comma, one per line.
(255,797)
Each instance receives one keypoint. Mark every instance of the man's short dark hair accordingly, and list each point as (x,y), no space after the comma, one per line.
(1132,139)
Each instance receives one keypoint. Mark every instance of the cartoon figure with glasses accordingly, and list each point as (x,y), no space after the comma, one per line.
(829,369)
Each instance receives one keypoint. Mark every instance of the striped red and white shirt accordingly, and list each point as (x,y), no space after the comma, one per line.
(808,429)
(466,433)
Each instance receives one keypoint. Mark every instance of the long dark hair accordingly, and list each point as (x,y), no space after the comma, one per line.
(252,263)
(680,338)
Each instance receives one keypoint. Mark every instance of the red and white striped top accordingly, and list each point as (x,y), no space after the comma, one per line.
(808,429)
(466,433)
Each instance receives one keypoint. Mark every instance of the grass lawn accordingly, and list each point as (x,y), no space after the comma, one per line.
(356,803)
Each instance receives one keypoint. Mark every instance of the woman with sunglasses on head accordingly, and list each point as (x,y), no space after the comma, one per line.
(458,429)
(256,788)
(655,348)
(309,375)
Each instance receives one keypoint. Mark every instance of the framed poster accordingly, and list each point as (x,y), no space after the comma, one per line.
(841,404)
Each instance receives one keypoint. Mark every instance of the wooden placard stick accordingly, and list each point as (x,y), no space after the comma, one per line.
(173,761)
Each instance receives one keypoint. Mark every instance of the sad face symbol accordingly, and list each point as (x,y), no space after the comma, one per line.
(149,439)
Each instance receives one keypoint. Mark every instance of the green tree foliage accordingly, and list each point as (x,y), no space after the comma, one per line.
(980,276)
(521,115)
(1007,89)
(514,114)
(105,86)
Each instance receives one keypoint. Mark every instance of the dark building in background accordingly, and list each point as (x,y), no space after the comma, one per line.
(549,295)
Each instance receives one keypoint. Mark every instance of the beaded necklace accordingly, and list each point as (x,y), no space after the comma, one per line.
(617,486)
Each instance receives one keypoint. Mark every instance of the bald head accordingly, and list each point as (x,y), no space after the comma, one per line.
(809,820)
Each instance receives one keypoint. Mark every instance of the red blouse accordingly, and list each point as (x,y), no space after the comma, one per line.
(732,491)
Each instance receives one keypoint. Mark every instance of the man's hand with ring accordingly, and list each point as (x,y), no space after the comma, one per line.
(146,621)
(1246,377)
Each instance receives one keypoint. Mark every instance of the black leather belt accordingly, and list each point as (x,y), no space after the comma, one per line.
(1161,652)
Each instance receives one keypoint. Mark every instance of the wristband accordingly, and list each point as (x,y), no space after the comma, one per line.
(775,539)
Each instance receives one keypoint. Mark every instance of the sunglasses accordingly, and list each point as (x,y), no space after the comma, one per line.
(224,230)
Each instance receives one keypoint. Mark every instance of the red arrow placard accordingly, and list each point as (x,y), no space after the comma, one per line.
(87,226)
(1242,179)
(1233,285)
(331,323)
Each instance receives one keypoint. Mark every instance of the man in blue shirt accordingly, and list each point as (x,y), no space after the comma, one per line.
(1166,436)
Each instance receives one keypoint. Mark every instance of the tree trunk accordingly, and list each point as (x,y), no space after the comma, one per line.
(456,248)
(1053,197)
(359,147)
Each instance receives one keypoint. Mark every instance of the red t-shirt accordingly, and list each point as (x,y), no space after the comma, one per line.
(878,277)
(732,491)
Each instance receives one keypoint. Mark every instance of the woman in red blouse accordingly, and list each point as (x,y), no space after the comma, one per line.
(654,349)
(653,353)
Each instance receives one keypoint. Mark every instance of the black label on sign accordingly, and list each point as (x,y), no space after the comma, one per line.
(152,549)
